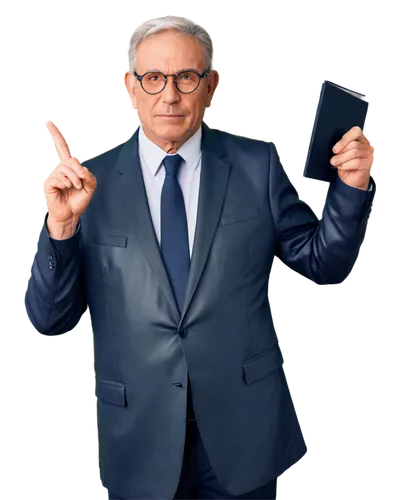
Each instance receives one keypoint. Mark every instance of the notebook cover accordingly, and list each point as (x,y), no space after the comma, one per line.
(337,112)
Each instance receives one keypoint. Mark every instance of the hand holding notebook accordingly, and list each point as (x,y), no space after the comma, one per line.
(339,120)
(353,158)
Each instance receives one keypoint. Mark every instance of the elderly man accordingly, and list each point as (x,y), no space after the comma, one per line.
(169,239)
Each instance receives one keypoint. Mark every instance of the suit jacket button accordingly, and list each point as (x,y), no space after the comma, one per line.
(183,333)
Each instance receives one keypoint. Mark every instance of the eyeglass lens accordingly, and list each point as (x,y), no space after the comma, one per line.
(186,82)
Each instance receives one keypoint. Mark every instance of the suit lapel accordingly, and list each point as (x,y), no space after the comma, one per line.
(215,169)
(132,192)
(136,212)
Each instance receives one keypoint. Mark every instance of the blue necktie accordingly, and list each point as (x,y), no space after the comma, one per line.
(175,242)
(174,230)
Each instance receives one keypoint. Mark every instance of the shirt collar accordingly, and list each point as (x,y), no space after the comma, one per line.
(153,155)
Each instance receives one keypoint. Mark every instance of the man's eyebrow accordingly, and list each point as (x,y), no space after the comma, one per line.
(159,71)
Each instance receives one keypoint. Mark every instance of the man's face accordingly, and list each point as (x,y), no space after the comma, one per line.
(170,52)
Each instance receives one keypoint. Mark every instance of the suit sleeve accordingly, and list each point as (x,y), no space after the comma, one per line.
(55,298)
(325,250)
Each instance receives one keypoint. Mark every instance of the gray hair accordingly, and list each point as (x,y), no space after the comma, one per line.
(180,24)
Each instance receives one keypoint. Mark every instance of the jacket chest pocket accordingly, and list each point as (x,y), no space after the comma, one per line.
(102,252)
(112,240)
(107,250)
(233,216)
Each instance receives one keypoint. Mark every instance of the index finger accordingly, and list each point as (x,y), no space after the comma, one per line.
(354,134)
(59,141)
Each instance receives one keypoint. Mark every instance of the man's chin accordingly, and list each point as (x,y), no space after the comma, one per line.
(171,132)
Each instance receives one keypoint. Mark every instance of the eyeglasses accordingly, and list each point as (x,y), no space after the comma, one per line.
(154,82)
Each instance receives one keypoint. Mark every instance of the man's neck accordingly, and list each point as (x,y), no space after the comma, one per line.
(170,147)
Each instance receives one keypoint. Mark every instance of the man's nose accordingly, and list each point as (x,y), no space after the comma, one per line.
(170,92)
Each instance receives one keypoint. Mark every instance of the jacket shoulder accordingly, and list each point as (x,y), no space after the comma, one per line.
(103,161)
(241,144)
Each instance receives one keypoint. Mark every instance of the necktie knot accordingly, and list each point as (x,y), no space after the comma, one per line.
(172,164)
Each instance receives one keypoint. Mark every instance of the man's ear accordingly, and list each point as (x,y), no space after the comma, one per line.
(212,85)
(130,87)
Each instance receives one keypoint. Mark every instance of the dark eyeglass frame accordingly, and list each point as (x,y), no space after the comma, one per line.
(140,77)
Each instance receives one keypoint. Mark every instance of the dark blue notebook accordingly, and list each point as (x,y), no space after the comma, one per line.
(339,109)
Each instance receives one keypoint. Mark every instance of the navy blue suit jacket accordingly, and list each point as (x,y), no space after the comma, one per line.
(248,213)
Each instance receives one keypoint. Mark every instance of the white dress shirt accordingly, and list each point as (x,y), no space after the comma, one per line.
(151,157)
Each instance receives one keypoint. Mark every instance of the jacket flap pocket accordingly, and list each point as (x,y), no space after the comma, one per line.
(230,217)
(263,364)
(115,240)
(111,392)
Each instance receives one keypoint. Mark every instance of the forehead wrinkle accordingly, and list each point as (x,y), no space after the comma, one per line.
(159,52)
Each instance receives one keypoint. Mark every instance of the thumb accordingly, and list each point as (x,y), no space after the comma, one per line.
(89,181)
